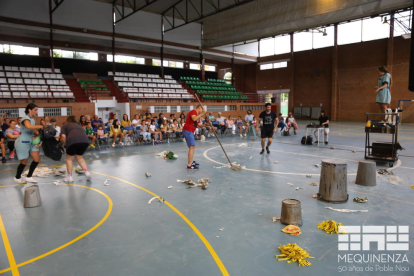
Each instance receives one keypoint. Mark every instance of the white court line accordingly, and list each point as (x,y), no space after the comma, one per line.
(285,173)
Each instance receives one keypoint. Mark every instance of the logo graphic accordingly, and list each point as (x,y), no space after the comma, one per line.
(389,238)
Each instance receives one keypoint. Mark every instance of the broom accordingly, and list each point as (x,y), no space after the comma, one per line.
(232,167)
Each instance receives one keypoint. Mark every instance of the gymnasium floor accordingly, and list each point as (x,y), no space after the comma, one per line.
(93,229)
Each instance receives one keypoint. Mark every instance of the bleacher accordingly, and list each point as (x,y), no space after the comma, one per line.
(213,89)
(149,86)
(29,82)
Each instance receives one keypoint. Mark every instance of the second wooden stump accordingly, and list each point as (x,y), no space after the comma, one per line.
(333,184)
(291,212)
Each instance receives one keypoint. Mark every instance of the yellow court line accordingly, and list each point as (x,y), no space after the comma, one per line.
(199,234)
(108,212)
(7,246)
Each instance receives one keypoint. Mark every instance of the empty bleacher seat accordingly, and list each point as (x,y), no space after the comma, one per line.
(3,80)
(5,94)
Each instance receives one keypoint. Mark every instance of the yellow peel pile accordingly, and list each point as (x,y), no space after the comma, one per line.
(294,253)
(329,226)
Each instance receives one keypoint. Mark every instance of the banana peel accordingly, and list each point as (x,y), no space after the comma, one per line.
(293,230)
(330,226)
(294,253)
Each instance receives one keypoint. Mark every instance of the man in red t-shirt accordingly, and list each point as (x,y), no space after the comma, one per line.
(188,133)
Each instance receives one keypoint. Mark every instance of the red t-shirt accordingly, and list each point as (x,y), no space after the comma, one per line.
(190,125)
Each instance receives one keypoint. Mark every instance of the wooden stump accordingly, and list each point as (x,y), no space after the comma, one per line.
(367,173)
(32,197)
(291,212)
(333,184)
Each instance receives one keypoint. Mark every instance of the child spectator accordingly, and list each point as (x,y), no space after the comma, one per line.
(292,122)
(101,133)
(231,125)
(240,125)
(126,123)
(209,127)
(12,134)
(116,132)
(154,130)
(18,123)
(165,129)
(146,135)
(89,132)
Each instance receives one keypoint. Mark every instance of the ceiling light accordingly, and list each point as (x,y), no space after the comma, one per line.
(385,21)
(325,33)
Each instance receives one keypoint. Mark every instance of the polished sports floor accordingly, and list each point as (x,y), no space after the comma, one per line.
(88,228)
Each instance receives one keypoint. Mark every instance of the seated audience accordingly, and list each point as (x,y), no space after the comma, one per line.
(154,130)
(136,122)
(240,125)
(221,123)
(96,122)
(116,132)
(126,123)
(282,125)
(11,134)
(89,132)
(292,122)
(18,123)
(231,125)
(146,134)
(54,124)
(100,133)
(211,129)
(82,121)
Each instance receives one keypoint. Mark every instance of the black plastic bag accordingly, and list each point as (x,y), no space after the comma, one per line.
(49,131)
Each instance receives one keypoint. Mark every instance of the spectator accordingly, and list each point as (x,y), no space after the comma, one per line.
(116,132)
(82,121)
(231,125)
(154,130)
(19,120)
(182,116)
(211,129)
(53,123)
(292,122)
(96,122)
(160,119)
(42,122)
(109,123)
(221,123)
(241,126)
(172,117)
(3,148)
(47,120)
(101,133)
(181,123)
(126,123)
(76,142)
(146,135)
(165,129)
(87,118)
(211,117)
(253,126)
(201,128)
(282,125)
(6,122)
(136,122)
(248,122)
(12,134)
(249,116)
(89,132)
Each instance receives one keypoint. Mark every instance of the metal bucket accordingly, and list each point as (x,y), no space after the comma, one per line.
(291,212)
(333,184)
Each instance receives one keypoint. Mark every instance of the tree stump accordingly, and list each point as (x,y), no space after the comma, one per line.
(291,212)
(367,173)
(333,182)
(32,197)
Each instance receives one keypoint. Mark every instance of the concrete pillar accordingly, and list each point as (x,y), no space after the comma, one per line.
(334,93)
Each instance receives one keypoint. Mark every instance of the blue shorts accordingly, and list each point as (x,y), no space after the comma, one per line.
(189,138)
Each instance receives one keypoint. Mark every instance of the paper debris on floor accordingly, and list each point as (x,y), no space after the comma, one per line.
(58,172)
(385,172)
(275,162)
(250,157)
(309,175)
(39,172)
(57,182)
(220,167)
(204,180)
(346,210)
(395,180)
(154,198)
(354,151)
(314,196)
(106,183)
(332,148)
(169,187)
(246,145)
(167,155)
(221,229)
(276,219)
(147,174)
(290,184)
(79,170)
(188,182)
(293,230)
(217,237)
(298,188)
(360,200)
(313,184)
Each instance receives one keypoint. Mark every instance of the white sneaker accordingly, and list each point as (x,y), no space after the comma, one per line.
(245,135)
(241,135)
(88,175)
(233,132)
(31,180)
(22,180)
(68,178)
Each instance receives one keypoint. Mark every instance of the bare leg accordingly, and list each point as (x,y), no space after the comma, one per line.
(269,142)
(81,161)
(190,155)
(69,164)
(263,143)
(35,155)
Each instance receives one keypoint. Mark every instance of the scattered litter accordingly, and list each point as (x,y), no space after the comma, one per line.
(39,172)
(106,182)
(318,165)
(58,172)
(412,186)
(329,226)
(156,197)
(293,230)
(395,180)
(147,174)
(169,187)
(276,219)
(309,175)
(79,170)
(354,151)
(250,157)
(188,182)
(360,200)
(203,183)
(220,167)
(332,148)
(167,155)
(217,237)
(204,180)
(298,188)
(346,210)
(290,184)
(275,162)
(313,184)
(385,172)
(221,229)
(314,196)
(57,182)
(202,138)
(294,253)
(244,145)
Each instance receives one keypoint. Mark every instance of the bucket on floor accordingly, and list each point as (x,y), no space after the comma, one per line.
(32,197)
(291,212)
(333,184)
(367,173)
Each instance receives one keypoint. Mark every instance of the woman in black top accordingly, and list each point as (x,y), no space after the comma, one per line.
(324,121)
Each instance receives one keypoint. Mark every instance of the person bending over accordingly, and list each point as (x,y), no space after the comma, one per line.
(188,133)
(269,127)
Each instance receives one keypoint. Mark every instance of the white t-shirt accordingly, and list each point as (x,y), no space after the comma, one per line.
(220,119)
(136,121)
(152,127)
(57,131)
(248,117)
(291,120)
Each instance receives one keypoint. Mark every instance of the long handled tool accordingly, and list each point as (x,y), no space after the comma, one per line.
(232,167)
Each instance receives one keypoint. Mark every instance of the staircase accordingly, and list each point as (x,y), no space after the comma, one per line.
(116,92)
(78,92)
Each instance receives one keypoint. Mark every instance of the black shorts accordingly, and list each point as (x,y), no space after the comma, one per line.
(267,133)
(1,135)
(77,149)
